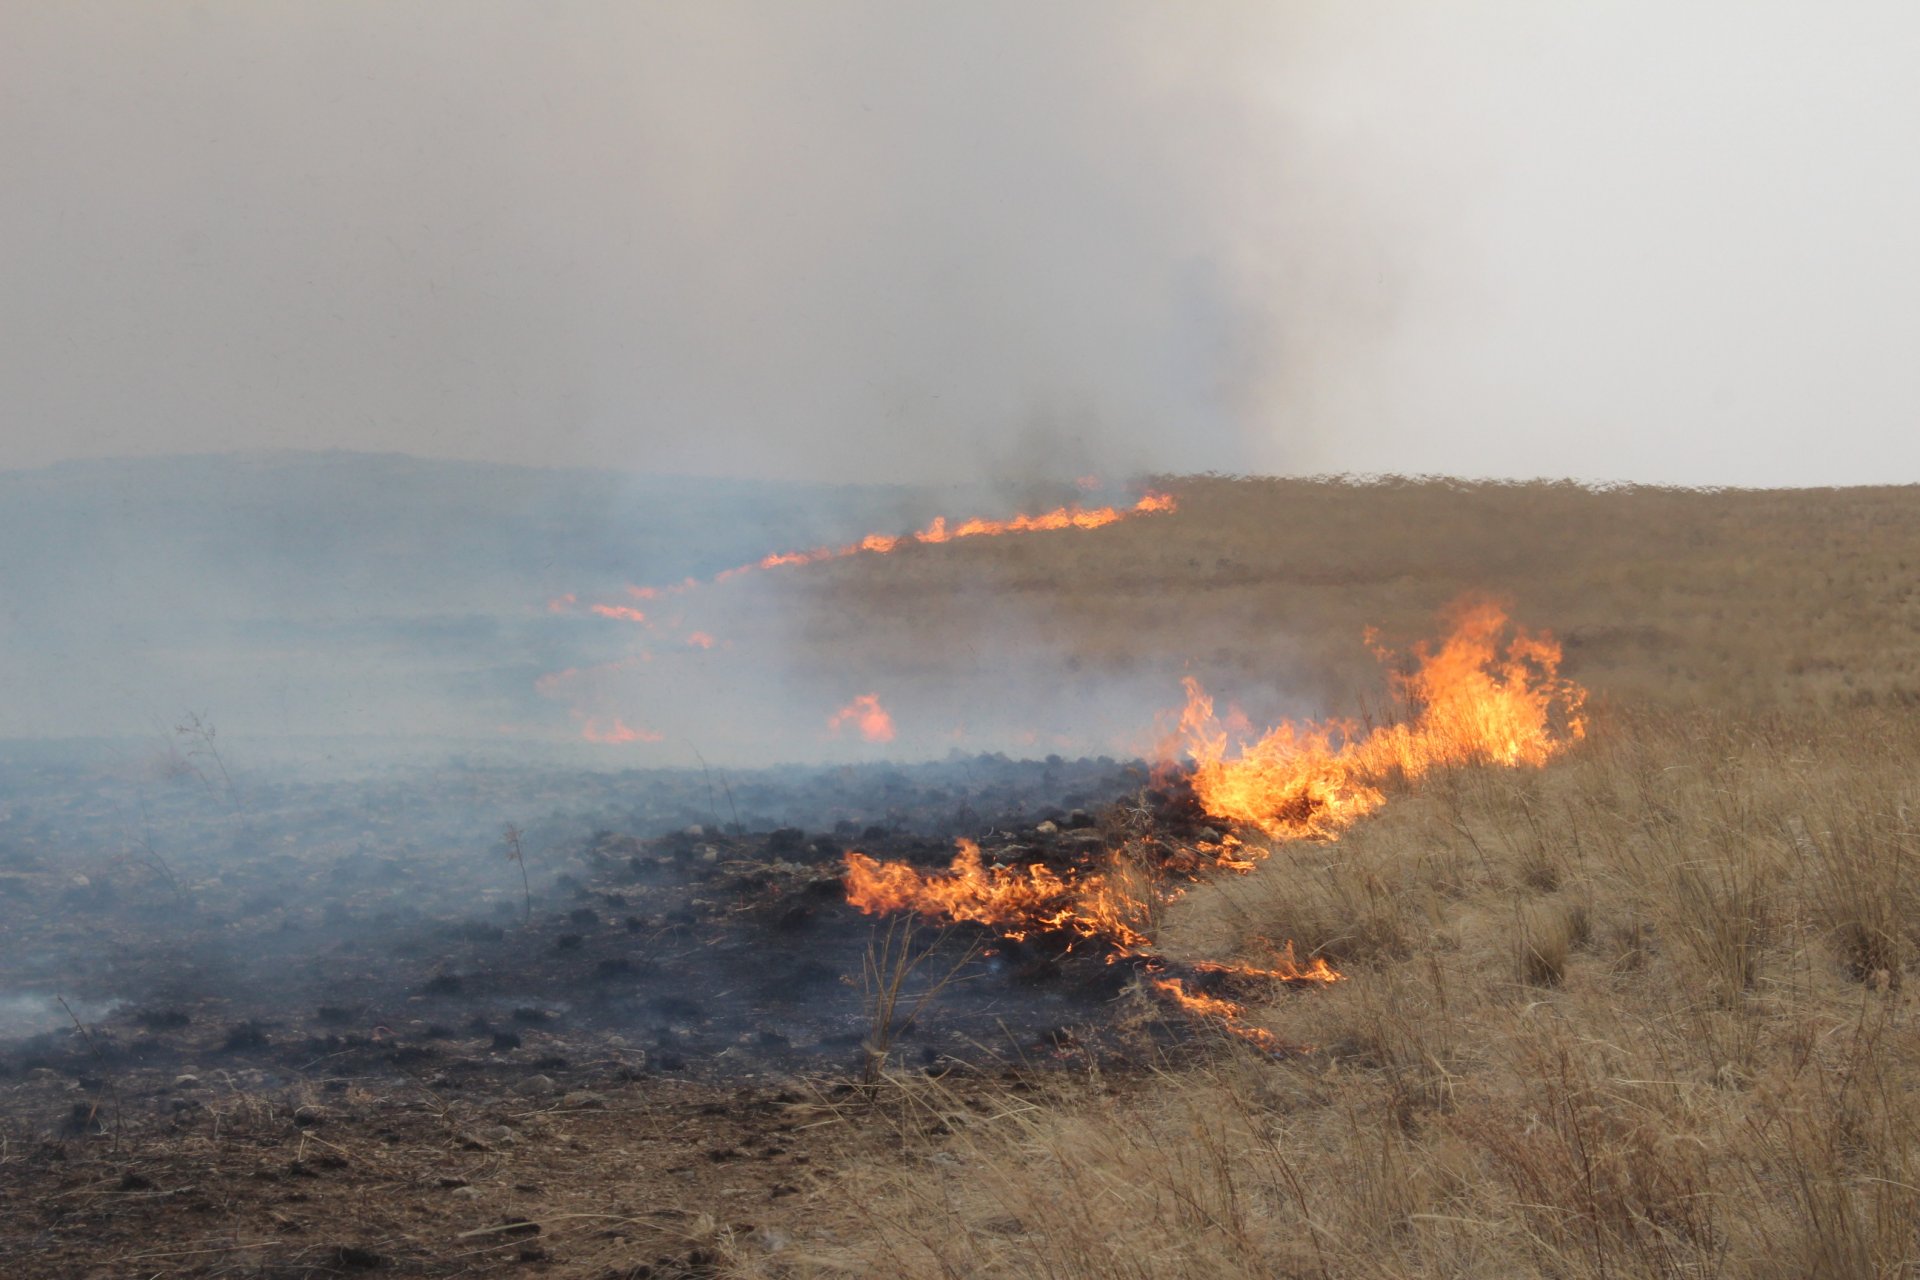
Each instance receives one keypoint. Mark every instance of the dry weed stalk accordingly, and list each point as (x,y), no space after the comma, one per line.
(517,856)
(893,955)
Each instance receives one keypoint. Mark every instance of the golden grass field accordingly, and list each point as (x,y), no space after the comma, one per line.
(1644,1012)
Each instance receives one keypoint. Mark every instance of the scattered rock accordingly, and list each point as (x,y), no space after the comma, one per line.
(352,1257)
(245,1035)
(535,1087)
(582,1100)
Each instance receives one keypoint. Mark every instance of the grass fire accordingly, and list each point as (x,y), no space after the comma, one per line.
(1487,891)
(1099,640)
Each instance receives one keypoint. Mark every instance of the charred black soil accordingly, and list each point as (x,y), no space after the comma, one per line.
(284,1027)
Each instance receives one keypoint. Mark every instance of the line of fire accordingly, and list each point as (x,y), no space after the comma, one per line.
(1220,799)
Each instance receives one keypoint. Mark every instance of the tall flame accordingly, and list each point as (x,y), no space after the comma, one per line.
(1474,699)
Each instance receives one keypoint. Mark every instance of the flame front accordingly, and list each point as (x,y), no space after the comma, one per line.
(1488,693)
(937,531)
(1473,699)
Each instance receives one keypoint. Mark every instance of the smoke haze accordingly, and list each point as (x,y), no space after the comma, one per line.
(914,241)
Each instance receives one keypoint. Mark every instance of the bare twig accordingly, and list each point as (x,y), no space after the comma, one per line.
(517,856)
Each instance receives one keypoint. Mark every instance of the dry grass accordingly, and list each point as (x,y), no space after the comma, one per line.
(1643,1013)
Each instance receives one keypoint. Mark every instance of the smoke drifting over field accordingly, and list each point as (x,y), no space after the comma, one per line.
(880,241)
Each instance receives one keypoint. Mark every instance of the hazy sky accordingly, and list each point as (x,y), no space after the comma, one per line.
(895,240)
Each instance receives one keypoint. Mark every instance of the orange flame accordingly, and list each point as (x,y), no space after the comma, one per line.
(1489,692)
(1225,1012)
(1286,968)
(938,531)
(1016,902)
(866,712)
(1474,700)
(614,731)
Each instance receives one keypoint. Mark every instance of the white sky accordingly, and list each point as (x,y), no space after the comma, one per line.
(884,240)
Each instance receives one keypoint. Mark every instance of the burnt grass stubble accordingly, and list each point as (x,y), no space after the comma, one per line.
(708,976)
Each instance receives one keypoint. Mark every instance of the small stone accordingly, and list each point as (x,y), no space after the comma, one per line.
(467,1193)
(1209,835)
(1048,829)
(311,1117)
(709,854)
(535,1087)
(43,1074)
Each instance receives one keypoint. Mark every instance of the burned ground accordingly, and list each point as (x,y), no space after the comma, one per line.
(337,1054)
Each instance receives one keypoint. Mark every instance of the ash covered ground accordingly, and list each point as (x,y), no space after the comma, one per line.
(302,1025)
(677,919)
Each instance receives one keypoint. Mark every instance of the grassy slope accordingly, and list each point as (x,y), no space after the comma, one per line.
(1644,1012)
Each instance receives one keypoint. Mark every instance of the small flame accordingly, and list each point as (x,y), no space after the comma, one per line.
(614,731)
(1015,902)
(938,531)
(1286,968)
(866,712)
(1225,1012)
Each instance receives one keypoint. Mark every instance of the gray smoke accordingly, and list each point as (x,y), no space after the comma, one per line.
(896,240)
